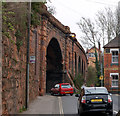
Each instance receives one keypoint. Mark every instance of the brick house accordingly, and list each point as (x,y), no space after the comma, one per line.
(91,56)
(112,65)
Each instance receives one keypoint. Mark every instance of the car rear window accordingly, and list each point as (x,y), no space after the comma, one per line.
(66,86)
(96,91)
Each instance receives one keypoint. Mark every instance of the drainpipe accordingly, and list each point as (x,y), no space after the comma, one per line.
(27,66)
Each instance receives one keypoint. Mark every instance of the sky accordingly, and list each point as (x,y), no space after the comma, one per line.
(69,12)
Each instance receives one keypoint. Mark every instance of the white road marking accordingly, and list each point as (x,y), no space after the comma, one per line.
(60,106)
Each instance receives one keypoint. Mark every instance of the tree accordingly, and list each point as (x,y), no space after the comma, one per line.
(117,14)
(90,38)
(78,81)
(91,76)
(104,28)
(106,24)
(89,32)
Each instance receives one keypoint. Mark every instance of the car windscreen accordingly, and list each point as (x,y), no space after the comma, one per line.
(66,86)
(96,91)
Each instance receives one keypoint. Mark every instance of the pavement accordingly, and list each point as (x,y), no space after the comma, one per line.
(43,105)
(116,103)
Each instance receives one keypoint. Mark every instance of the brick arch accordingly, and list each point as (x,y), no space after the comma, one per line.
(54,66)
(53,35)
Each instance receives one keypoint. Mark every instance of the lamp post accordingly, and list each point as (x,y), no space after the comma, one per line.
(73,37)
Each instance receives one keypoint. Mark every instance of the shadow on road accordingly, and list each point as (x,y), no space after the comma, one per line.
(95,114)
(89,114)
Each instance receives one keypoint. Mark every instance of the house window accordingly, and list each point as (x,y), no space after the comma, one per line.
(108,50)
(114,56)
(114,53)
(114,78)
(91,55)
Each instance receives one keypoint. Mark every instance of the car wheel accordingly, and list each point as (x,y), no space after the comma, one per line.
(52,93)
(78,112)
(59,94)
(71,94)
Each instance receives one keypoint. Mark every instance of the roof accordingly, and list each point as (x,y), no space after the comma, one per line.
(92,48)
(115,43)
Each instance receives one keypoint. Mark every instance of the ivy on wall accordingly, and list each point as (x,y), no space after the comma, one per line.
(35,13)
(14,22)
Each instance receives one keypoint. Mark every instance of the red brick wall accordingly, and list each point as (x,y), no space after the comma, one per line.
(108,68)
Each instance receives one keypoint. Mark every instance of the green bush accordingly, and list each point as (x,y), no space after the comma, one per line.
(91,76)
(78,81)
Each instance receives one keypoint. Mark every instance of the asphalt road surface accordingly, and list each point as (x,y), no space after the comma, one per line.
(63,105)
(69,106)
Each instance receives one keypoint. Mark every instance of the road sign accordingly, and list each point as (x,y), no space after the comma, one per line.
(32,59)
(101,77)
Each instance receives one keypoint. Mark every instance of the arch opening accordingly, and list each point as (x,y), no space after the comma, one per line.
(54,68)
(75,63)
(79,65)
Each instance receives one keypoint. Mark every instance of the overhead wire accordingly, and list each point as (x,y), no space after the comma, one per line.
(101,3)
(76,12)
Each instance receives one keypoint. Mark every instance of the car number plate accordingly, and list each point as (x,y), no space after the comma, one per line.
(66,92)
(96,100)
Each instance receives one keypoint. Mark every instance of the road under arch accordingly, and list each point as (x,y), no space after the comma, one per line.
(54,72)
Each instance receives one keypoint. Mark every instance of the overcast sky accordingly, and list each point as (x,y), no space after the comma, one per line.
(69,12)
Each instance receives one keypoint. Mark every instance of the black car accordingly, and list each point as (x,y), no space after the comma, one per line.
(95,99)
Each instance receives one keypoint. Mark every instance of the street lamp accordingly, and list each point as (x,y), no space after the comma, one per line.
(72,35)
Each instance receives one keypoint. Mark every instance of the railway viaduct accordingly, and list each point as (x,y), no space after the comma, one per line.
(55,56)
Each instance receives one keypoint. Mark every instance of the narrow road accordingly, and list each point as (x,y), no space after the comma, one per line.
(62,105)
(70,105)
